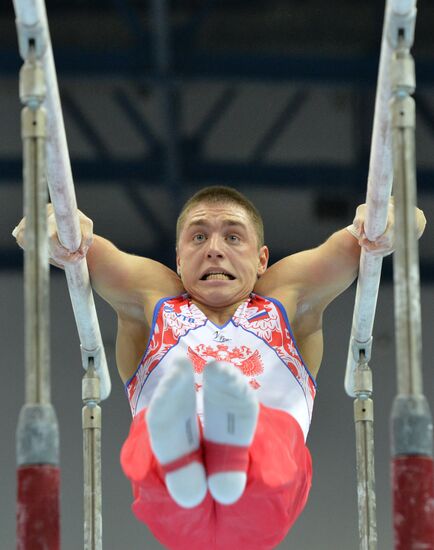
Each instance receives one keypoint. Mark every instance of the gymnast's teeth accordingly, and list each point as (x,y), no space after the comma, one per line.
(217,277)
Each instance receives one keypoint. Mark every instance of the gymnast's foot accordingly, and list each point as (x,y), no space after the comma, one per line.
(174,433)
(230,417)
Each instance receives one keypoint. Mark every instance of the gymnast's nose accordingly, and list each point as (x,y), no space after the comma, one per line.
(215,246)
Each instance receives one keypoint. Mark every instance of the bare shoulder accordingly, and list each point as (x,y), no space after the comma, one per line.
(154,281)
(130,284)
(280,282)
(285,282)
(316,276)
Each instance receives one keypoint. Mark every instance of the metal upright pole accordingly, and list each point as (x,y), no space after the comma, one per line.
(364,424)
(411,422)
(33,15)
(91,418)
(37,430)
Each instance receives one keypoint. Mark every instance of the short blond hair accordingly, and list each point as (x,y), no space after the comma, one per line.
(216,194)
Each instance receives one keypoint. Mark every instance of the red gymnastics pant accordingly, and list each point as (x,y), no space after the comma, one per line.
(278,483)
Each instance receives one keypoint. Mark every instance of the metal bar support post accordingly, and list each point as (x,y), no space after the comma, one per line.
(32,15)
(411,421)
(364,425)
(38,514)
(91,419)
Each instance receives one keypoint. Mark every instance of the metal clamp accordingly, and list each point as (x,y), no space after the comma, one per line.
(90,388)
(361,348)
(402,73)
(31,37)
(400,31)
(363,381)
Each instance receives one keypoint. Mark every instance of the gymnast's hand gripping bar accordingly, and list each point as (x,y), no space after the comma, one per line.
(400,16)
(32,25)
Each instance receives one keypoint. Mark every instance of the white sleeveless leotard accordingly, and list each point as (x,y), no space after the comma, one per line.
(257,340)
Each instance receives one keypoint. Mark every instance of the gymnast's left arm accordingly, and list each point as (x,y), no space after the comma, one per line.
(319,275)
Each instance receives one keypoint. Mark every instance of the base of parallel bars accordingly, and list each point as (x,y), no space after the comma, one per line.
(37,439)
(413,502)
(412,473)
(411,426)
(38,507)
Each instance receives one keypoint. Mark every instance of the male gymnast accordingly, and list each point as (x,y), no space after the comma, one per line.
(219,362)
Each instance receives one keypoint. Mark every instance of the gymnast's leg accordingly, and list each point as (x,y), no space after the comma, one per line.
(275,468)
(173,429)
(230,417)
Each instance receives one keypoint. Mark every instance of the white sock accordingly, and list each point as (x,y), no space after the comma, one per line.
(174,432)
(230,416)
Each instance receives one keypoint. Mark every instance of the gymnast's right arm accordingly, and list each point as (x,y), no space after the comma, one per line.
(128,283)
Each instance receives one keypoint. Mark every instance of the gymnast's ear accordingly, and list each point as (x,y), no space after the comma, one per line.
(263,260)
(178,264)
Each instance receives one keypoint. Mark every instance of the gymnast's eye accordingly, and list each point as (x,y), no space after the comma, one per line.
(198,237)
(233,238)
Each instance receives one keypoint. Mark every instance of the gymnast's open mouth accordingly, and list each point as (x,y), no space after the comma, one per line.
(217,275)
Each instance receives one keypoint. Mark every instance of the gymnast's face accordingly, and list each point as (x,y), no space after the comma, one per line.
(218,257)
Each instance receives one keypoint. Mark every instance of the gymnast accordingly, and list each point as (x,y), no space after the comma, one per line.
(219,362)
